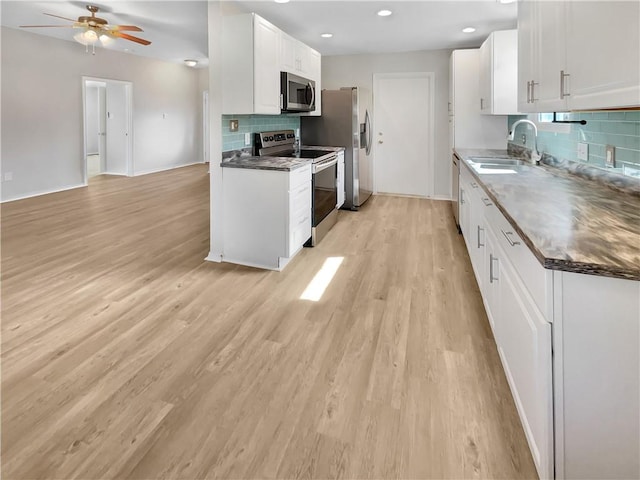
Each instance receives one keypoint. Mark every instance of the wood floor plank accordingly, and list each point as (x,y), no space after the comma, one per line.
(126,355)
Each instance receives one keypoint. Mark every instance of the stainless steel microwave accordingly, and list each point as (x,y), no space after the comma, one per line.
(297,94)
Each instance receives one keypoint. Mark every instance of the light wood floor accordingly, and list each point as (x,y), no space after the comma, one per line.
(125,355)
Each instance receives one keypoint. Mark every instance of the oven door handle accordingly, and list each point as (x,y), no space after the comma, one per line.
(318,167)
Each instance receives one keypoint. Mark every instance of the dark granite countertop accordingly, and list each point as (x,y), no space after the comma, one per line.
(239,159)
(284,164)
(569,223)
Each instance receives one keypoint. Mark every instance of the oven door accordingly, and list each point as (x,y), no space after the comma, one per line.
(325,190)
(298,93)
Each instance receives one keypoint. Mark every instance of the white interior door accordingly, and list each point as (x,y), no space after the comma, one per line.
(102,134)
(117,151)
(403,134)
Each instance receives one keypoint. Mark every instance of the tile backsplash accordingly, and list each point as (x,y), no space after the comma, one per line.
(620,129)
(251,124)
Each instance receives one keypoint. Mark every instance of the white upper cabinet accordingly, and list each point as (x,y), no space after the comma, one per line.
(266,74)
(578,55)
(499,73)
(254,53)
(295,56)
(603,54)
(251,80)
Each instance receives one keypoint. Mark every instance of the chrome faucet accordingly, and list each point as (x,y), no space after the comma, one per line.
(535,156)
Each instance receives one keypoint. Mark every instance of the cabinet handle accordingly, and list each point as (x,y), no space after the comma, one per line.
(513,243)
(533,91)
(529,91)
(491,277)
(487,202)
(474,185)
(461,196)
(479,230)
(563,92)
(481,103)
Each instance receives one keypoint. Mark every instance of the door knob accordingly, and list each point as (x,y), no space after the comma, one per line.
(380,141)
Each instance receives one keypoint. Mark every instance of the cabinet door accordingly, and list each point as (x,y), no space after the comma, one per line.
(287,53)
(485,75)
(526,53)
(525,350)
(266,81)
(602,54)
(302,59)
(551,56)
(490,285)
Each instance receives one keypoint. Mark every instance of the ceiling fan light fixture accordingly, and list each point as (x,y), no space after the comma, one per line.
(86,37)
(191,63)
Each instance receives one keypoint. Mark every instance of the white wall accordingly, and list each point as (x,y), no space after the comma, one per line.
(358,70)
(42,137)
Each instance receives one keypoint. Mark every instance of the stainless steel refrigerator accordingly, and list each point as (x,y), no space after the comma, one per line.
(345,122)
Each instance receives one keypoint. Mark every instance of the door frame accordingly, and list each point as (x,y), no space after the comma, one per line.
(430,150)
(129,107)
(206,133)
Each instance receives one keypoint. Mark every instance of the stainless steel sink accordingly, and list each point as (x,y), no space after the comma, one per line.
(498,161)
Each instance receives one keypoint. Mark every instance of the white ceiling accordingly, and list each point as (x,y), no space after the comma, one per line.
(178,29)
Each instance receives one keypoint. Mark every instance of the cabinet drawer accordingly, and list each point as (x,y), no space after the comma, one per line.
(533,275)
(299,233)
(299,177)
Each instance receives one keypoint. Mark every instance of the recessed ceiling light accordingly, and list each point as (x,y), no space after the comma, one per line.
(384,13)
(505,2)
(281,1)
(327,35)
(468,30)
(191,63)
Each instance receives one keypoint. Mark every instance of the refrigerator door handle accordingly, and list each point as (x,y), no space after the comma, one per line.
(367,122)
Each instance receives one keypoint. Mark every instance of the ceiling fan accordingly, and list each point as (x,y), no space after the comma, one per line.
(94,28)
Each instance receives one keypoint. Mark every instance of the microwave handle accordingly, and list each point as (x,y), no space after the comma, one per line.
(313,94)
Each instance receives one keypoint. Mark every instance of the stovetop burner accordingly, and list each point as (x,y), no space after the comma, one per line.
(281,144)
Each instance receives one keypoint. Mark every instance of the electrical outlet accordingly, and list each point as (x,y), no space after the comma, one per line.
(247,139)
(8,176)
(583,151)
(611,156)
(233,125)
(524,139)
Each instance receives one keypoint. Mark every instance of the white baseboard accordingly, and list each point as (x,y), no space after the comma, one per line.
(164,169)
(441,197)
(43,192)
(214,257)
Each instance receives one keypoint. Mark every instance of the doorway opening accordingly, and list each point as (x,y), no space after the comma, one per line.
(107,113)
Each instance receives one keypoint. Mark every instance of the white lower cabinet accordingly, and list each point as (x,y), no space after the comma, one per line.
(524,346)
(520,327)
(569,344)
(267,215)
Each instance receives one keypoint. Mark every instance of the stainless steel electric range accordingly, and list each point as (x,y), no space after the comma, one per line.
(324,170)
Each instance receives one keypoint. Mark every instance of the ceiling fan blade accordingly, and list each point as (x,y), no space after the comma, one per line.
(64,18)
(126,36)
(46,26)
(129,28)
